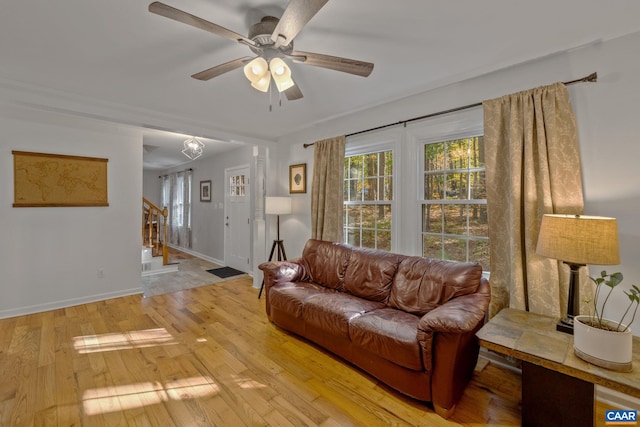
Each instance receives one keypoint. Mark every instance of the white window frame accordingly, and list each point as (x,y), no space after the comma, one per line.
(445,127)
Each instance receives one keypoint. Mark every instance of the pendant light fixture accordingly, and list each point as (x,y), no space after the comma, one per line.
(193,148)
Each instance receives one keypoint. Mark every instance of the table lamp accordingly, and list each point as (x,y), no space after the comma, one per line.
(578,240)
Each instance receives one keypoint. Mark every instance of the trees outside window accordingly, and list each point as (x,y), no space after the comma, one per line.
(454,204)
(368,196)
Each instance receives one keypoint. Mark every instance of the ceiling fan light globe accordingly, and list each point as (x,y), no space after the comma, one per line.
(279,67)
(281,74)
(262,84)
(255,69)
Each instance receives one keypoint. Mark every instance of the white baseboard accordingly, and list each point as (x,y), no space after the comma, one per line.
(203,256)
(172,268)
(500,360)
(616,399)
(54,305)
(197,254)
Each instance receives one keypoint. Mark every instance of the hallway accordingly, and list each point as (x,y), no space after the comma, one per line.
(192,273)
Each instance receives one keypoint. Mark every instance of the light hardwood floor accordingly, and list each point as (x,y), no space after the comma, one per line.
(202,357)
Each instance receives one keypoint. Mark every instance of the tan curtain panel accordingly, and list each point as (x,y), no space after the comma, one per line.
(327,189)
(533,168)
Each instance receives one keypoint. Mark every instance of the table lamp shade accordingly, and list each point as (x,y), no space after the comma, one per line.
(277,205)
(579,239)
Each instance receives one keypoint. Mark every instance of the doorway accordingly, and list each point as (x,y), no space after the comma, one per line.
(237,218)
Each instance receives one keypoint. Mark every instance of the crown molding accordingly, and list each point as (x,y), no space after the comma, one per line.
(28,95)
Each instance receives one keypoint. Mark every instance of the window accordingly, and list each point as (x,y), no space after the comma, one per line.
(178,201)
(237,185)
(368,196)
(176,196)
(454,205)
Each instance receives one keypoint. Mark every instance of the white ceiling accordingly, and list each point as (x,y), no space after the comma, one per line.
(116,52)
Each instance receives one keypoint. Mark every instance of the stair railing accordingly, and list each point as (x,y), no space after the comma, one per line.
(151,228)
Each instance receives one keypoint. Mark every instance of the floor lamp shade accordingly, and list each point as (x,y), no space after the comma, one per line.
(578,240)
(277,205)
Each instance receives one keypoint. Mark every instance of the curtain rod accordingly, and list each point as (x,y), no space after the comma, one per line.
(593,77)
(186,170)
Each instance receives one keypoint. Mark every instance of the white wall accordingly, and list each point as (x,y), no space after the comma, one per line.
(49,257)
(295,229)
(608,115)
(152,186)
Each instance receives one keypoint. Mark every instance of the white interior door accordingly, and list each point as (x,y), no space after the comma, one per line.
(237,230)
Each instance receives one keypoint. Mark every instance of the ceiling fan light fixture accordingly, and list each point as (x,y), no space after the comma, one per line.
(281,74)
(193,148)
(256,69)
(262,84)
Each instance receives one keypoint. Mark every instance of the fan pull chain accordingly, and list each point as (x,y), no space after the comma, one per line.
(270,106)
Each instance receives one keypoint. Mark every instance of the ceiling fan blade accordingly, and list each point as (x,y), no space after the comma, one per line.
(346,65)
(293,93)
(295,16)
(221,69)
(186,18)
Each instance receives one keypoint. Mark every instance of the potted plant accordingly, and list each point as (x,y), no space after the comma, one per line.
(604,342)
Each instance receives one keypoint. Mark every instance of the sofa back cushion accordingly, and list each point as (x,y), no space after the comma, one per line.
(423,284)
(370,273)
(326,262)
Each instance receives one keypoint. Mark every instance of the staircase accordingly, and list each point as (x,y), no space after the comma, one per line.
(155,253)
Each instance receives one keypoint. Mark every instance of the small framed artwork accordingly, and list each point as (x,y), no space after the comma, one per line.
(298,178)
(205,191)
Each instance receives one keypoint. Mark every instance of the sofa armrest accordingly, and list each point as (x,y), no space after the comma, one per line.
(459,315)
(275,272)
(450,331)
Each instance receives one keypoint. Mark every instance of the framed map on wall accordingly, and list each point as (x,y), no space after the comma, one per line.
(49,180)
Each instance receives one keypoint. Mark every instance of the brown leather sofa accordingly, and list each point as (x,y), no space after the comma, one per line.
(408,321)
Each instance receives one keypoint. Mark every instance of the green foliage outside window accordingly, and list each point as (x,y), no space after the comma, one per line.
(454,210)
(368,192)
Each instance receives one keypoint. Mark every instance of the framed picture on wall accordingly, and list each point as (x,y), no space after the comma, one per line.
(205,191)
(298,178)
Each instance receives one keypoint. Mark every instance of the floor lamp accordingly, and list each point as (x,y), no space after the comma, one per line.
(578,240)
(276,206)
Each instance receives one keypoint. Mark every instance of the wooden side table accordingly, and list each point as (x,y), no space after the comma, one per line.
(557,386)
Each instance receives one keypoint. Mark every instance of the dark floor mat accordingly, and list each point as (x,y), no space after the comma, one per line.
(224,272)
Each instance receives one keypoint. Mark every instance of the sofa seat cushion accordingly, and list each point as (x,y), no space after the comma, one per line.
(289,297)
(389,333)
(332,312)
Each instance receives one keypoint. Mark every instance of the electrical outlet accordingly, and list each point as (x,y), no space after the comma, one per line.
(100,273)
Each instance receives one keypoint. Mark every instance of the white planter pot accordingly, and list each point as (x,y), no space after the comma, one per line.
(608,349)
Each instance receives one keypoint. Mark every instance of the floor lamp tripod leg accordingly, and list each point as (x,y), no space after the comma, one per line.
(282,256)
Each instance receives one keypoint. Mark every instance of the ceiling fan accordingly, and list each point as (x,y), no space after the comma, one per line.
(271,40)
